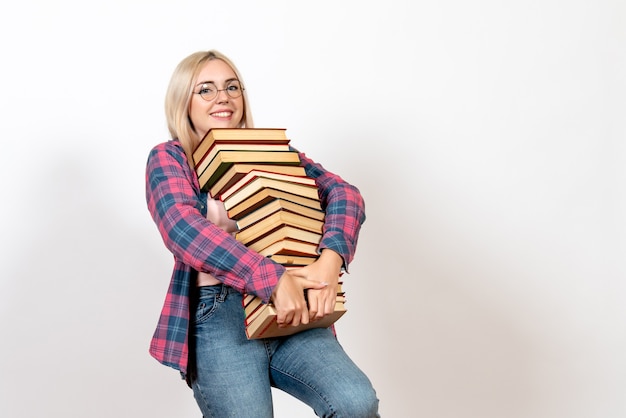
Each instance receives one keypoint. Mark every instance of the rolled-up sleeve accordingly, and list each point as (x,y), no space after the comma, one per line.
(176,206)
(344,207)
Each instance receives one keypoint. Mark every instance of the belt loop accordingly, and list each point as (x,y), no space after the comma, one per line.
(223,292)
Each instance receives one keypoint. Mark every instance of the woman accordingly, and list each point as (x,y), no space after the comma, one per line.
(230,375)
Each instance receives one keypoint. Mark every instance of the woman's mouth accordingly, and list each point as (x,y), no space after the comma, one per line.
(222,114)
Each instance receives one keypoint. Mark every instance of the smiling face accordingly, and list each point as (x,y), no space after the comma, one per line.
(221,112)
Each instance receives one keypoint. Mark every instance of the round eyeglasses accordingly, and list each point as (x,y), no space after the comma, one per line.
(209,91)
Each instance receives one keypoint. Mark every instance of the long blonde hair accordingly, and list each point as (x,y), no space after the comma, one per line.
(178,98)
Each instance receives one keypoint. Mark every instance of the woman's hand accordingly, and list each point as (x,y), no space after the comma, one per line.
(326,269)
(320,279)
(288,298)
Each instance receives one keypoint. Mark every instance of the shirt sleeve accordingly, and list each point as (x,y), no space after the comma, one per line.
(175,203)
(344,207)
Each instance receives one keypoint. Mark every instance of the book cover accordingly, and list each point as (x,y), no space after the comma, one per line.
(277,205)
(266,135)
(284,232)
(304,190)
(247,298)
(266,195)
(202,163)
(274,221)
(265,325)
(293,260)
(258,310)
(224,159)
(238,170)
(253,310)
(287,246)
(254,174)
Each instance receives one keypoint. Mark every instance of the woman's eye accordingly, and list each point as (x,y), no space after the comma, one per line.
(233,87)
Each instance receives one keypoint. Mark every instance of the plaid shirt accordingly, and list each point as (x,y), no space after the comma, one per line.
(178,208)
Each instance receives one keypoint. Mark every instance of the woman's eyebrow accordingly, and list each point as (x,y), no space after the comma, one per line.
(213,82)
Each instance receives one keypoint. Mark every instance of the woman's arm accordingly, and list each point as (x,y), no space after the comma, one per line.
(345,213)
(176,208)
(344,208)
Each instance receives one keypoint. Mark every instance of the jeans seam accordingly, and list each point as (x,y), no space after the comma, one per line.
(204,401)
(309,386)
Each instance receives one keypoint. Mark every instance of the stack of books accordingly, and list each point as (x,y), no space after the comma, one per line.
(261,318)
(257,176)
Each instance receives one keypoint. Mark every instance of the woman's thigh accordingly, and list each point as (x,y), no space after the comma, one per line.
(232,377)
(313,367)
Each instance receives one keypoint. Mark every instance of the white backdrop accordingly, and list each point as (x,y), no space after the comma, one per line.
(487,138)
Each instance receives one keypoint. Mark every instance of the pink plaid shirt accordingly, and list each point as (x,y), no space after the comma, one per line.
(178,208)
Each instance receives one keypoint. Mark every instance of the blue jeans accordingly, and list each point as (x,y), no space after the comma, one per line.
(234,375)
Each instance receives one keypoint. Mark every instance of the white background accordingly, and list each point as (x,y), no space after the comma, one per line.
(487,137)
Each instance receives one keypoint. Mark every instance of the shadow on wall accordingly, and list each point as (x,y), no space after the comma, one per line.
(85,286)
(440,339)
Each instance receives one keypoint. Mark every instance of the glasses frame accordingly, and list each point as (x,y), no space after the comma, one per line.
(217,91)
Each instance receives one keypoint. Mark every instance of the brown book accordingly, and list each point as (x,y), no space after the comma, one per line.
(252,314)
(292,260)
(251,302)
(259,183)
(284,232)
(248,298)
(276,220)
(238,170)
(287,246)
(265,135)
(260,318)
(257,309)
(223,160)
(254,174)
(264,196)
(275,206)
(203,162)
(253,309)
(265,324)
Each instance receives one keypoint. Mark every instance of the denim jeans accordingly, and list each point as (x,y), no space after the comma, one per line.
(234,375)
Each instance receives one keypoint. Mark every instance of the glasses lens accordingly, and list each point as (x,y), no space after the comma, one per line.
(233,89)
(208,91)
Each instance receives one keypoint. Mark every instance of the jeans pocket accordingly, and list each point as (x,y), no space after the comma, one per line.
(207,304)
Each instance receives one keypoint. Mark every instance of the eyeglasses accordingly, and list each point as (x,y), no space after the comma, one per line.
(209,91)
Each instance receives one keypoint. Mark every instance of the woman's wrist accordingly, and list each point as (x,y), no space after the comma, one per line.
(331,259)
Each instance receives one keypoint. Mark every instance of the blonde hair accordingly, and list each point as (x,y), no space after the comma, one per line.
(178,98)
